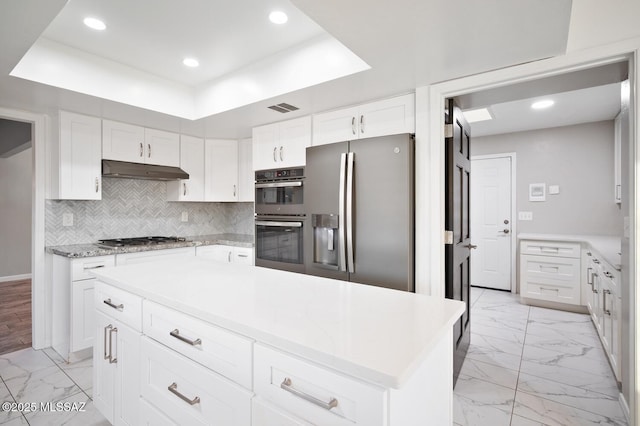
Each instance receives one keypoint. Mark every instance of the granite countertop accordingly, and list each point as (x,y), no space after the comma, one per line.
(607,246)
(93,249)
(374,333)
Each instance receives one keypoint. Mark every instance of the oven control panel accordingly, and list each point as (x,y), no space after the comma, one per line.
(297,173)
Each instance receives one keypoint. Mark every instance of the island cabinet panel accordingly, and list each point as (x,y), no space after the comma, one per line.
(265,414)
(315,394)
(119,305)
(224,352)
(187,392)
(151,416)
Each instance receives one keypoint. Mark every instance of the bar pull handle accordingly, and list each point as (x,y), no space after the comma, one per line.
(176,333)
(141,150)
(286,385)
(550,289)
(330,239)
(353,125)
(342,259)
(618,192)
(471,246)
(349,210)
(119,307)
(275,149)
(88,268)
(149,150)
(112,359)
(229,257)
(281,155)
(362,123)
(173,388)
(234,190)
(184,188)
(97,185)
(106,356)
(590,277)
(594,276)
(604,301)
(243,255)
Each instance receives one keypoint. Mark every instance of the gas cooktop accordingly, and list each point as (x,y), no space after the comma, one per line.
(139,241)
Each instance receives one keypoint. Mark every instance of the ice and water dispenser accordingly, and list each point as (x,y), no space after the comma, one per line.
(325,240)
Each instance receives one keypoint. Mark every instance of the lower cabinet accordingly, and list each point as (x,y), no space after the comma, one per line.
(265,414)
(226,254)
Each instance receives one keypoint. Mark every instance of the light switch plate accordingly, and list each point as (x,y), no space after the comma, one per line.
(185,217)
(525,215)
(67,219)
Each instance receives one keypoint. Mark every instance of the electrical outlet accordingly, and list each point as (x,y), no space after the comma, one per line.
(67,219)
(185,217)
(525,215)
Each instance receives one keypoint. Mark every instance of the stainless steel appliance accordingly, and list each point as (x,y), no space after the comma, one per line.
(280,219)
(359,197)
(139,241)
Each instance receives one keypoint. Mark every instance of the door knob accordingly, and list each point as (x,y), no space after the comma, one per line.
(506,221)
(471,246)
(506,231)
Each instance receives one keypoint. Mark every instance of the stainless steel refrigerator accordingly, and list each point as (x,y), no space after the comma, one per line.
(359,205)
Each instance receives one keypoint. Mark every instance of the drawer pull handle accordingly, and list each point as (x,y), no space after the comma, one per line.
(549,289)
(176,333)
(286,385)
(552,268)
(86,268)
(119,307)
(106,355)
(112,359)
(596,261)
(173,388)
(549,249)
(243,255)
(604,301)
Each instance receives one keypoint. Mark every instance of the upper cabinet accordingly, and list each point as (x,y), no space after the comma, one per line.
(192,162)
(281,145)
(246,178)
(221,170)
(136,144)
(76,167)
(617,159)
(380,118)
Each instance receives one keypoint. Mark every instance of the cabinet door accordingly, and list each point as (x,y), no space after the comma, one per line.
(246,178)
(79,163)
(295,137)
(161,148)
(387,117)
(265,414)
(219,253)
(122,142)
(104,372)
(265,147)
(192,162)
(335,126)
(221,170)
(83,315)
(127,384)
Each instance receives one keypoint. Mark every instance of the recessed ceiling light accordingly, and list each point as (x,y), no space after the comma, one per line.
(95,24)
(542,104)
(191,62)
(475,115)
(278,17)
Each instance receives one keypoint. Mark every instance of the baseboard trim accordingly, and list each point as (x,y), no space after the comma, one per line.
(15,278)
(625,407)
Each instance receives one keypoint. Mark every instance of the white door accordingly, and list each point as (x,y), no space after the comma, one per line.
(491,222)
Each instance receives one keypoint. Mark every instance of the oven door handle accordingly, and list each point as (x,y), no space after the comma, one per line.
(279,224)
(278,184)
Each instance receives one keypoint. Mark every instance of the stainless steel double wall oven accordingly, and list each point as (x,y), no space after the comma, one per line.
(280,219)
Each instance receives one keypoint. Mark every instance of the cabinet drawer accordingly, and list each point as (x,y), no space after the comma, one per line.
(119,304)
(188,393)
(552,293)
(315,394)
(265,414)
(81,268)
(543,269)
(151,416)
(550,248)
(220,350)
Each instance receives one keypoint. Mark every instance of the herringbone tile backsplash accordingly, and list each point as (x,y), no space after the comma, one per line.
(135,208)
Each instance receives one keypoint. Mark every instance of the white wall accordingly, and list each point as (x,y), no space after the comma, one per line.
(579,159)
(15,214)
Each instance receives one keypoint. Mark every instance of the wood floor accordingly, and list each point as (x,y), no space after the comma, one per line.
(15,315)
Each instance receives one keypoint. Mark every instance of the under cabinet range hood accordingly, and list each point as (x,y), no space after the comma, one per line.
(123,169)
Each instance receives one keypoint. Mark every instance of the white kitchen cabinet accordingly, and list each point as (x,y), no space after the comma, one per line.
(552,274)
(154,255)
(617,159)
(226,254)
(265,414)
(136,144)
(75,161)
(380,118)
(221,170)
(192,162)
(246,177)
(116,355)
(72,307)
(282,144)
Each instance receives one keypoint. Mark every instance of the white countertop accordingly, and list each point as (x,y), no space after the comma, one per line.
(374,333)
(607,247)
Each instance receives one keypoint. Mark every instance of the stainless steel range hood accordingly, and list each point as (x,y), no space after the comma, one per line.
(122,169)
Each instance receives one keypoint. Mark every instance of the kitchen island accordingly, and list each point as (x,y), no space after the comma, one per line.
(222,344)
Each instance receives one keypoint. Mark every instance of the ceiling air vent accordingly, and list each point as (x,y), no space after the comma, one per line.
(283,108)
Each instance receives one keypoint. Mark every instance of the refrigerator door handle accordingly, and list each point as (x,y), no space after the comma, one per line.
(342,248)
(349,211)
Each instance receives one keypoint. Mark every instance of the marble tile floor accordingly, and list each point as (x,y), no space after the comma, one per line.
(40,376)
(533,366)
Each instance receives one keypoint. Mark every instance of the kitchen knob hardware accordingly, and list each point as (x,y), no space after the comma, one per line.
(608,274)
(362,123)
(112,359)
(173,388)
(106,356)
(176,333)
(281,155)
(149,150)
(506,221)
(353,125)
(119,307)
(97,184)
(141,150)
(589,254)
(184,188)
(275,149)
(506,231)
(287,386)
(604,301)
(471,246)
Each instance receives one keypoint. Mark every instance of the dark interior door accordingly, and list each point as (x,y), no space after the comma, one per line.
(457,249)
